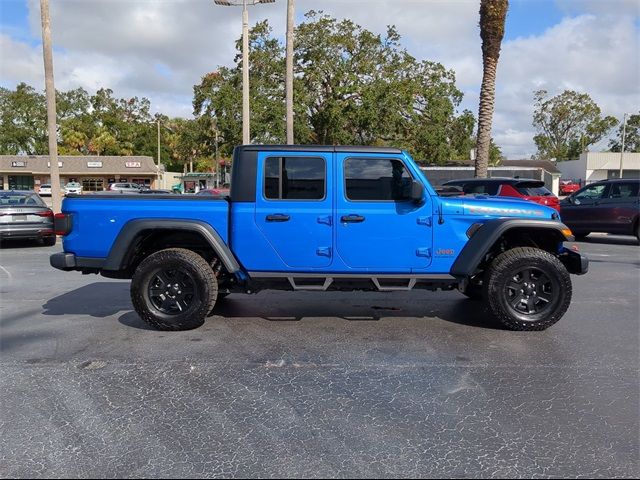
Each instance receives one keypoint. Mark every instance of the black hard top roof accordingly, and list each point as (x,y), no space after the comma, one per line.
(318,148)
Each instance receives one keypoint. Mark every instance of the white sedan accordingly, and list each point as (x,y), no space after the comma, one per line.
(73,188)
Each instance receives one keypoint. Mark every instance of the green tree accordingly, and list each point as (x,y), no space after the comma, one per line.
(632,136)
(23,121)
(567,124)
(351,87)
(493,14)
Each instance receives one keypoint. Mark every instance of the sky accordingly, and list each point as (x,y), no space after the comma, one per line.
(159,49)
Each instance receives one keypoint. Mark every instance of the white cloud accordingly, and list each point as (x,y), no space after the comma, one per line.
(160,49)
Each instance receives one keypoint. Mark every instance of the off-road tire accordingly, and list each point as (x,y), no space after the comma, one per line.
(548,278)
(49,241)
(182,311)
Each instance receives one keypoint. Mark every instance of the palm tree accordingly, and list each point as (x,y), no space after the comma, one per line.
(492,19)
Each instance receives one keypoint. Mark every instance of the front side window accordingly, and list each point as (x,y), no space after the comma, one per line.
(377,179)
(591,193)
(294,178)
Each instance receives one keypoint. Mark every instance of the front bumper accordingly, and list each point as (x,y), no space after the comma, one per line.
(575,262)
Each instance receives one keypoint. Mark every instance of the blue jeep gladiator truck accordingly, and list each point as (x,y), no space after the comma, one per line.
(322,218)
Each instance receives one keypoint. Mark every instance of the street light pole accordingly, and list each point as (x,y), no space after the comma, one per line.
(246,136)
(624,131)
(56,199)
(289,74)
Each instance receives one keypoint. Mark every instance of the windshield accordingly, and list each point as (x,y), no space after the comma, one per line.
(73,185)
(12,199)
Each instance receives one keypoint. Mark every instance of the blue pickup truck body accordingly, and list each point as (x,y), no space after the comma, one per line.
(415,237)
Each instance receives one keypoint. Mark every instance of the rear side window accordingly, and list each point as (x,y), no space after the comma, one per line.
(295,178)
(624,190)
(377,179)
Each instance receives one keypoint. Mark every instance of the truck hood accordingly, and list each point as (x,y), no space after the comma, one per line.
(484,206)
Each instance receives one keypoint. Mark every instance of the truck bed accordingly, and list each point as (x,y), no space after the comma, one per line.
(98,219)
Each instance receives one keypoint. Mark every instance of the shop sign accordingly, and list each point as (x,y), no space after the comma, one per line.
(19,163)
(94,164)
(132,164)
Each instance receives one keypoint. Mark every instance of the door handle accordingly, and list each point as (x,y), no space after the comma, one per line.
(278,217)
(352,219)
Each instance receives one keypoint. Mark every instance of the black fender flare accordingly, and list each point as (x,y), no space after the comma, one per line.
(120,249)
(486,234)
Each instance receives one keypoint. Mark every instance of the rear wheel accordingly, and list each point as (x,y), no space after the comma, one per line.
(528,289)
(174,289)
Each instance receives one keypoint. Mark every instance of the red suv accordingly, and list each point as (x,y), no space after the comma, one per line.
(524,188)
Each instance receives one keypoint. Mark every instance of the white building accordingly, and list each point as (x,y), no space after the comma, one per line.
(596,166)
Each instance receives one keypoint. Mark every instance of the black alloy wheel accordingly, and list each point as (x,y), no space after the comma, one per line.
(172,291)
(531,292)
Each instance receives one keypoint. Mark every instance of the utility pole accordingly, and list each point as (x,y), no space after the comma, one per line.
(624,131)
(158,159)
(246,137)
(47,52)
(289,74)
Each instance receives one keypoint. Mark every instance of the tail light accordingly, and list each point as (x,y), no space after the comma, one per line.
(62,224)
(46,213)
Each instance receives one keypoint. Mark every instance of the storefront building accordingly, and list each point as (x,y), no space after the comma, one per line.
(94,173)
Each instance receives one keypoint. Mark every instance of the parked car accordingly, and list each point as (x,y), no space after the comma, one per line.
(567,187)
(23,214)
(73,188)
(337,218)
(610,206)
(149,191)
(524,188)
(214,192)
(125,187)
(45,190)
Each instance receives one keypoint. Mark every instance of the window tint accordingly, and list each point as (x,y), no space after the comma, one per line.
(482,188)
(592,192)
(377,179)
(534,191)
(294,178)
(13,198)
(624,190)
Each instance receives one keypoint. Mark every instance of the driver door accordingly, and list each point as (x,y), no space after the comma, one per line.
(584,213)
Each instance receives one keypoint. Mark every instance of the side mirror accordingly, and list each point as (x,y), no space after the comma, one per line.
(574,201)
(417,191)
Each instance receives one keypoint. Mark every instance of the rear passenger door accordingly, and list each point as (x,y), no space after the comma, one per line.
(294,207)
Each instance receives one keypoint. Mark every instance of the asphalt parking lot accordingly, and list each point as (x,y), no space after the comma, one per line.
(416,384)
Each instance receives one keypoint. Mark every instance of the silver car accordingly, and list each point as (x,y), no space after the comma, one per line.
(125,187)
(23,214)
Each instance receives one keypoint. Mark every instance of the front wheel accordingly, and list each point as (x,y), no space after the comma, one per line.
(527,289)
(174,289)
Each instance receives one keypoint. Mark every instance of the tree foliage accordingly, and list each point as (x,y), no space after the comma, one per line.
(567,124)
(631,138)
(351,87)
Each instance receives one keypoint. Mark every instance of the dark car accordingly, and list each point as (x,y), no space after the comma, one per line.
(610,206)
(23,214)
(524,188)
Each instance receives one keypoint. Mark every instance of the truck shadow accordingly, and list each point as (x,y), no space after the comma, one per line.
(105,299)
